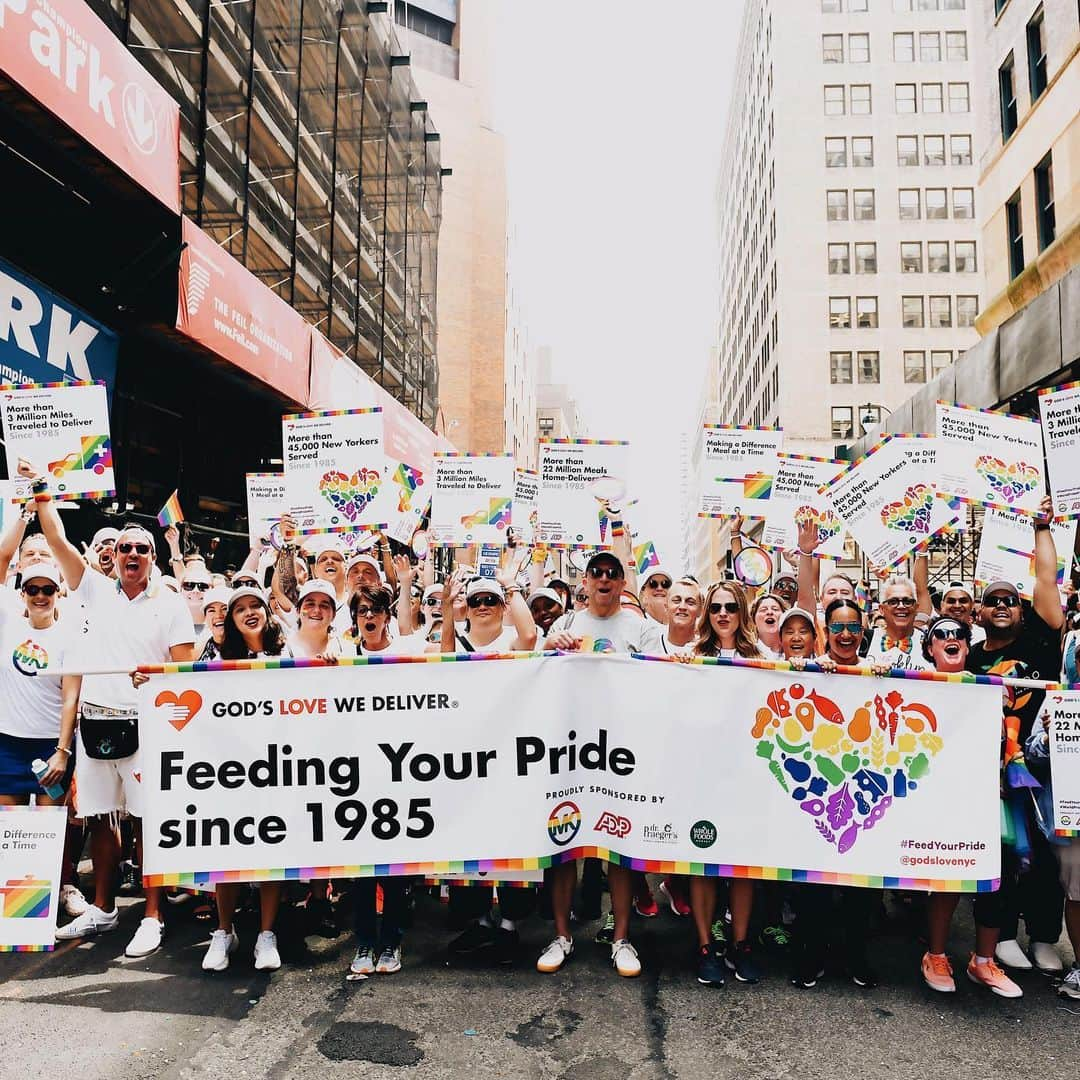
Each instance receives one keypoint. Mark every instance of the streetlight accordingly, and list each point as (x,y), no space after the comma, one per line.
(870,414)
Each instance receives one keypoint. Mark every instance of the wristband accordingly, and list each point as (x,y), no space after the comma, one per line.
(64,750)
(1042,526)
(42,497)
(808,554)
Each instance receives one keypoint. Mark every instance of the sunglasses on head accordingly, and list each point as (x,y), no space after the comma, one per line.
(483,600)
(127,547)
(950,633)
(842,627)
(658,583)
(728,606)
(899,601)
(190,586)
(612,573)
(45,590)
(1002,600)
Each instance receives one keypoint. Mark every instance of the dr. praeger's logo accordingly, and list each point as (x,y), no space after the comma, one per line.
(179,709)
(563,823)
(703,834)
(659,834)
(615,824)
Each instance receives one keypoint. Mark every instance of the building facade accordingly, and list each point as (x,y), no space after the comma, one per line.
(557,415)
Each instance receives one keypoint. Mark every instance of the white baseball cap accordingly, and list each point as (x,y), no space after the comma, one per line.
(490,586)
(317,586)
(48,571)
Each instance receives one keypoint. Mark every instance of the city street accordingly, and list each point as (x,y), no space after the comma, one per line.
(86,1011)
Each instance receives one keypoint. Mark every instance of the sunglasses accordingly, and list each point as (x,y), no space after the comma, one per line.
(483,600)
(1007,600)
(127,548)
(45,590)
(612,573)
(581,598)
(899,601)
(433,601)
(658,583)
(845,627)
(950,633)
(728,606)
(364,612)
(191,586)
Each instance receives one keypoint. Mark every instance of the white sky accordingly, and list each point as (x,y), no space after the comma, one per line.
(614,114)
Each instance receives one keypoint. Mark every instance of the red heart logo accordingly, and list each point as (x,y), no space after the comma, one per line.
(182,708)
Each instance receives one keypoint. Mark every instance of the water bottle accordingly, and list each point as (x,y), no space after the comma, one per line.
(39,768)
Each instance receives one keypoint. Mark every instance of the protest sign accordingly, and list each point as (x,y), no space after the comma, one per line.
(31,847)
(63,430)
(524,513)
(922,450)
(887,504)
(265,502)
(403,499)
(989,457)
(578,478)
(333,469)
(1063,709)
(417,767)
(472,498)
(796,499)
(737,468)
(1007,550)
(1059,407)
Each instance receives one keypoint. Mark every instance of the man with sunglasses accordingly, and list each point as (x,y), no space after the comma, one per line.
(653,588)
(194,586)
(899,643)
(103,551)
(958,602)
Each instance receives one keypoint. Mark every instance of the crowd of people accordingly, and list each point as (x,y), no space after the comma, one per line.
(112,608)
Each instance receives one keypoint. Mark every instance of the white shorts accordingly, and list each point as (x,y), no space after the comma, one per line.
(108,787)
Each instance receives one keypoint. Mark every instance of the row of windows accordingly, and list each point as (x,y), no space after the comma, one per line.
(855,99)
(939,259)
(907,150)
(1037,78)
(927,46)
(913,312)
(858,48)
(1046,216)
(835,7)
(911,203)
(844,366)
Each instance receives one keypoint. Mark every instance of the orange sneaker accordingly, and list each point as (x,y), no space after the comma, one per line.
(992,977)
(937,973)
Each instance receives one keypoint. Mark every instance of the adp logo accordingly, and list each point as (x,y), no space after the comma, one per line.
(563,823)
(615,824)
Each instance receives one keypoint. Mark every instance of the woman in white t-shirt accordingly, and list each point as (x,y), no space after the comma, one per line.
(766,612)
(37,710)
(370,607)
(314,636)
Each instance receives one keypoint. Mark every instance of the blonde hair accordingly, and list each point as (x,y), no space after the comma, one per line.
(708,644)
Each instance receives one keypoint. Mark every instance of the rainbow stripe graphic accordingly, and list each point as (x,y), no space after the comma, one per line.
(757,486)
(25,898)
(170,513)
(95,452)
(645,556)
(497,514)
(29,658)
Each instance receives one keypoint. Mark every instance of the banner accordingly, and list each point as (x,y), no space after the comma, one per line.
(889,507)
(922,450)
(471,502)
(265,502)
(737,469)
(31,848)
(333,469)
(1063,707)
(989,457)
(403,499)
(577,478)
(796,498)
(524,513)
(426,767)
(63,429)
(1059,407)
(1007,550)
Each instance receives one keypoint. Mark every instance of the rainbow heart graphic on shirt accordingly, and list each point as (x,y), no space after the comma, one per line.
(824,520)
(29,658)
(1012,482)
(348,495)
(845,774)
(912,513)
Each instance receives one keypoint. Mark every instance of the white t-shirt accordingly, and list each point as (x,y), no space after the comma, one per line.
(30,697)
(896,657)
(298,649)
(655,642)
(122,634)
(621,632)
(402,645)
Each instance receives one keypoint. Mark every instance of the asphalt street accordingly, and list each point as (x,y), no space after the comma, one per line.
(85,1011)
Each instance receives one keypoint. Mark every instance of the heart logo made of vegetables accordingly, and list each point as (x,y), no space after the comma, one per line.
(1012,482)
(911,514)
(348,495)
(824,520)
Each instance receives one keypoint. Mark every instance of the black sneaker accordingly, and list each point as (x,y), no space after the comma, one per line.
(740,959)
(476,938)
(862,974)
(606,934)
(507,947)
(808,973)
(130,877)
(710,966)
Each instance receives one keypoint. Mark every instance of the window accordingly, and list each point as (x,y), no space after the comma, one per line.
(866,312)
(909,204)
(937,208)
(960,149)
(911,308)
(940,359)
(905,97)
(860,99)
(963,203)
(937,256)
(927,5)
(1007,97)
(840,370)
(862,151)
(843,422)
(953,5)
(914,366)
(839,259)
(907,150)
(834,101)
(1036,50)
(546,425)
(930,47)
(910,257)
(955,45)
(933,149)
(931,97)
(1044,202)
(836,205)
(858,6)
(940,311)
(835,153)
(865,258)
(840,312)
(858,48)
(832,48)
(967,309)
(863,204)
(901,5)
(1015,224)
(964,256)
(830,7)
(959,97)
(869,367)
(903,48)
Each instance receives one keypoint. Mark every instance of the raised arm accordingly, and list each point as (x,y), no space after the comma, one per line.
(1046,600)
(808,567)
(405,573)
(736,541)
(920,574)
(382,550)
(520,615)
(11,539)
(451,591)
(71,563)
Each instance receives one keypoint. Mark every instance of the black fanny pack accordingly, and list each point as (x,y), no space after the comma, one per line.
(108,738)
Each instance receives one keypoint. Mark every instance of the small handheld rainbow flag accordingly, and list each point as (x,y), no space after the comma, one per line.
(170,513)
(645,556)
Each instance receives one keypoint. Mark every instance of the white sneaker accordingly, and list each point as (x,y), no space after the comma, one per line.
(1011,955)
(389,960)
(624,958)
(147,938)
(1046,957)
(72,901)
(267,958)
(555,955)
(222,943)
(92,921)
(363,963)
(1070,985)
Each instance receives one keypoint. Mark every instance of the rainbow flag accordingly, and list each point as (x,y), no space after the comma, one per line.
(170,513)
(757,486)
(645,556)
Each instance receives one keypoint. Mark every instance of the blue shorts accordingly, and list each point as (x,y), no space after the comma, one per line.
(16,755)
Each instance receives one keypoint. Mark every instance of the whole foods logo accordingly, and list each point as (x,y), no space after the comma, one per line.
(564,821)
(615,824)
(703,834)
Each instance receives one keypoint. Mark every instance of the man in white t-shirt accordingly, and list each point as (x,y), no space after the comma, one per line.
(684,610)
(899,643)
(653,587)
